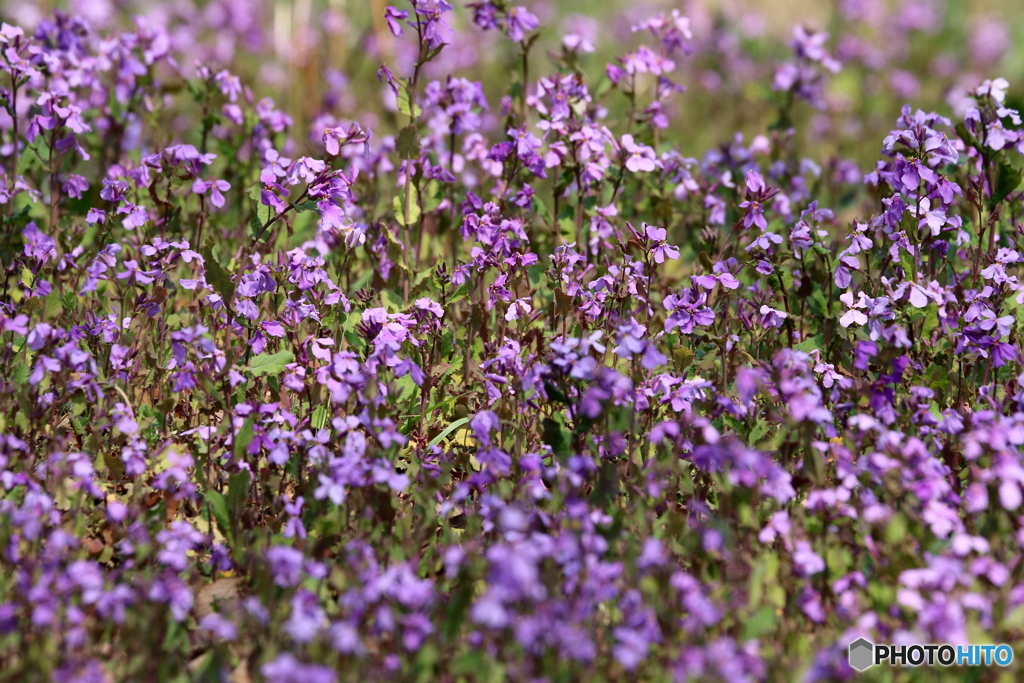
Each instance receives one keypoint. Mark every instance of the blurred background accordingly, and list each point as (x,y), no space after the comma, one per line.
(318,59)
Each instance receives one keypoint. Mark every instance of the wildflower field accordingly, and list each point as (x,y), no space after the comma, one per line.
(484,341)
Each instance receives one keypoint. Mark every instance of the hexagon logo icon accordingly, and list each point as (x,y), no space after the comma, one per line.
(862,654)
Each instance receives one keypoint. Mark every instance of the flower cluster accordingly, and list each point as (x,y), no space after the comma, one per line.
(451,373)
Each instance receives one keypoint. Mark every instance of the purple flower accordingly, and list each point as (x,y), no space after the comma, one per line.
(219,626)
(641,157)
(37,245)
(806,560)
(393,16)
(176,542)
(482,424)
(307,618)
(285,565)
(286,669)
(772,317)
(330,489)
(519,22)
(215,187)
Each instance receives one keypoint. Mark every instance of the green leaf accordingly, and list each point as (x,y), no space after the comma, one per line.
(398,204)
(896,530)
(755,591)
(407,144)
(937,378)
(814,466)
(238,493)
(433,53)
(217,276)
(931,321)
(392,300)
(457,607)
(219,508)
(403,104)
(459,294)
(554,393)
(759,623)
(906,261)
(21,373)
(607,487)
(554,434)
(1007,182)
(262,211)
(448,430)
(682,356)
(447,344)
(319,419)
(265,364)
(1014,620)
(405,387)
(53,307)
(255,228)
(354,340)
(965,135)
(808,345)
(786,277)
(433,195)
(622,419)
(243,438)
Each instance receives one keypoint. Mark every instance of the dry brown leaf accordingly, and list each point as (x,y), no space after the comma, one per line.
(94,546)
(241,673)
(222,589)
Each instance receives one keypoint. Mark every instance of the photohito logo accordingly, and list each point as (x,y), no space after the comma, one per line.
(865,654)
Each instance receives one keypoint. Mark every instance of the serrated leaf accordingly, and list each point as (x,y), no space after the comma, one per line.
(459,294)
(262,211)
(682,356)
(447,344)
(218,277)
(255,228)
(808,345)
(392,301)
(353,339)
(937,378)
(1008,181)
(266,364)
(405,386)
(407,144)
